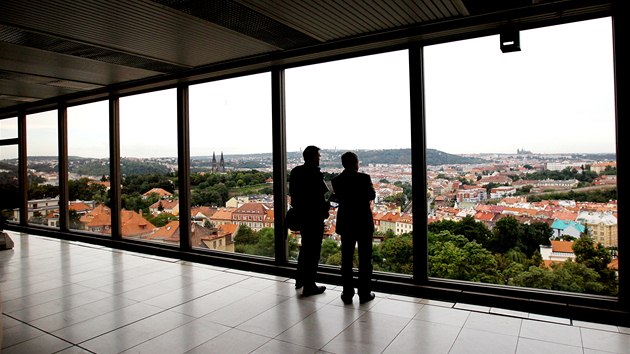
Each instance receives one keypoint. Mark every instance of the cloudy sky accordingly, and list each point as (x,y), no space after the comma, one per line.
(554,96)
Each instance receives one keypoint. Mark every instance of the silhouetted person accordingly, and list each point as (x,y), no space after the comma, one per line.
(355,223)
(308,197)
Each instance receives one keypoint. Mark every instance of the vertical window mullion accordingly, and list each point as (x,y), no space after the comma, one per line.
(23,168)
(62,141)
(418,165)
(183,146)
(278,107)
(621,86)
(114,166)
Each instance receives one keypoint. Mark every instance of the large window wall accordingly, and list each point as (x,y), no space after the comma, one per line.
(501,152)
(231,166)
(359,105)
(148,150)
(43,169)
(89,205)
(527,196)
(9,186)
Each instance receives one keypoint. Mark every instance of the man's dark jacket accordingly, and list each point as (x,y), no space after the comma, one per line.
(354,191)
(308,194)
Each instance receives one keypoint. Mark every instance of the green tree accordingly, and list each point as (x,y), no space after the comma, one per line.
(597,258)
(454,257)
(329,247)
(245,235)
(334,259)
(293,247)
(505,235)
(136,202)
(567,276)
(75,218)
(266,242)
(161,219)
(397,254)
(79,190)
(467,227)
(208,196)
(532,236)
(399,199)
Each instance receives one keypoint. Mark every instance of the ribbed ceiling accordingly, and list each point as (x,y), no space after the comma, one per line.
(334,19)
(72,48)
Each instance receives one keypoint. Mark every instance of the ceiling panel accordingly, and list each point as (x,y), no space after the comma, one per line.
(54,66)
(135,28)
(51,48)
(334,19)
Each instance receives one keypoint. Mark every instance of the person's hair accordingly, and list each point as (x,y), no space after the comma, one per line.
(310,153)
(349,159)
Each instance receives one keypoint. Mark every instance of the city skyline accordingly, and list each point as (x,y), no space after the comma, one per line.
(558,96)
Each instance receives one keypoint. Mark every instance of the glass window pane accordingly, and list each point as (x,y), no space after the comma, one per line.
(9,203)
(43,169)
(231,166)
(359,105)
(522,164)
(88,168)
(148,149)
(8,128)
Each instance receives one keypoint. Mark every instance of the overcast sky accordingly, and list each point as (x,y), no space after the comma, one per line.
(554,96)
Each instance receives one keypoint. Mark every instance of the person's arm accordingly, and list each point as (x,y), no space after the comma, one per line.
(294,188)
(371,193)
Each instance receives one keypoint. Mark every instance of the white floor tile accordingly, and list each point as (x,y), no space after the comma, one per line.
(104,300)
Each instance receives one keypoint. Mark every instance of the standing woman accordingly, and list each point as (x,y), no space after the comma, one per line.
(354,193)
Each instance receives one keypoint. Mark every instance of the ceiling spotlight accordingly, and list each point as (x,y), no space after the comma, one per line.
(510,40)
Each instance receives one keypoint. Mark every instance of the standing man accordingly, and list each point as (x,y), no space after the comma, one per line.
(308,197)
(354,192)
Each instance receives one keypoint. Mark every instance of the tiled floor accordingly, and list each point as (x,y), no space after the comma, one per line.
(69,297)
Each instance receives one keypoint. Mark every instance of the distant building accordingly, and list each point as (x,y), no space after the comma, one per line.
(79,207)
(501,192)
(404,224)
(98,220)
(221,166)
(200,215)
(216,239)
(601,227)
(557,184)
(134,225)
(558,252)
(605,180)
(388,221)
(384,190)
(162,193)
(599,167)
(165,206)
(498,179)
(470,194)
(567,228)
(222,216)
(559,166)
(39,208)
(251,214)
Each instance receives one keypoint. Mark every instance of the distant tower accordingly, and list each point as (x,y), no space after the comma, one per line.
(214,162)
(222,163)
